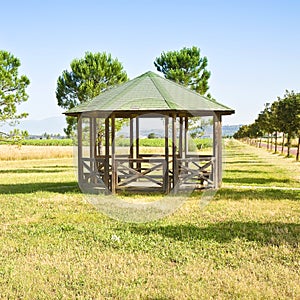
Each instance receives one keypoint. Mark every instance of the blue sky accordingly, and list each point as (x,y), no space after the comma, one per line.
(252,46)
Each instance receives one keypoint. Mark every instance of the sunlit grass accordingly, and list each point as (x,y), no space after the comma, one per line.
(245,244)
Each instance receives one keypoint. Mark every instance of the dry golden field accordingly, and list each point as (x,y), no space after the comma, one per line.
(14,152)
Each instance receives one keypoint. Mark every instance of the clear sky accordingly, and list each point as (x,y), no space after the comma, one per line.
(253,47)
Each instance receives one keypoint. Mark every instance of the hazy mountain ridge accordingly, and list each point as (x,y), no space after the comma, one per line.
(55,125)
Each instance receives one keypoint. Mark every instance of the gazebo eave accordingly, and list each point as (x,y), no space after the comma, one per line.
(152,113)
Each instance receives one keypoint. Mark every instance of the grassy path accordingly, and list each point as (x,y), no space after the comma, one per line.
(248,165)
(244,245)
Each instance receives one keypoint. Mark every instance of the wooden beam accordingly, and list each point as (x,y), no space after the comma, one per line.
(180,136)
(113,155)
(131,141)
(186,136)
(79,138)
(106,163)
(174,150)
(92,142)
(166,186)
(137,146)
(217,149)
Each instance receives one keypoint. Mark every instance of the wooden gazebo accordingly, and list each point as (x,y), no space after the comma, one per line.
(148,95)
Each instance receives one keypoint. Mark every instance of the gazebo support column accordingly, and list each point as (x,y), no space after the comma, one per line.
(137,146)
(166,186)
(79,137)
(181,137)
(113,156)
(186,138)
(217,153)
(174,150)
(131,142)
(92,146)
(106,162)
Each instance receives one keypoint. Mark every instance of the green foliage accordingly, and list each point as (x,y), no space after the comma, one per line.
(200,143)
(48,142)
(197,126)
(152,135)
(89,76)
(22,140)
(12,87)
(186,67)
(12,93)
(15,136)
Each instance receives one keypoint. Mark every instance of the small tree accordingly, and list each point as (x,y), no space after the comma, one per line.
(289,114)
(242,133)
(12,92)
(152,135)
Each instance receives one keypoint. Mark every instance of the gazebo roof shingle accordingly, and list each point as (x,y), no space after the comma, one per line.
(149,92)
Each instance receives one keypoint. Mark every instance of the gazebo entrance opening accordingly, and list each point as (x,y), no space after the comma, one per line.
(107,163)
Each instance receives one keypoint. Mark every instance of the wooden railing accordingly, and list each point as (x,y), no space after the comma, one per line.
(150,171)
(130,170)
(196,170)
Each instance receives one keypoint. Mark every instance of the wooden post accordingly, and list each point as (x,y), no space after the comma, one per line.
(137,146)
(217,151)
(131,142)
(113,156)
(92,147)
(174,150)
(186,139)
(180,136)
(166,174)
(106,161)
(186,136)
(79,137)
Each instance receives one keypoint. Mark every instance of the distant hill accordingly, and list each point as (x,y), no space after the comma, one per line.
(230,130)
(55,125)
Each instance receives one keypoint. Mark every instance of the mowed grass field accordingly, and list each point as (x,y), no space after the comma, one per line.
(245,244)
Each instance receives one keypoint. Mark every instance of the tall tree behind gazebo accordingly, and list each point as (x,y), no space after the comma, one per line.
(189,69)
(185,67)
(89,76)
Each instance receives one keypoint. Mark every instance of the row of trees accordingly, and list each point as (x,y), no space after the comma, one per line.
(93,74)
(280,117)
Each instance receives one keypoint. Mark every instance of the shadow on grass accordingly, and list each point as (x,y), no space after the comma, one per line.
(256,181)
(257,194)
(33,171)
(25,188)
(264,233)
(251,163)
(245,171)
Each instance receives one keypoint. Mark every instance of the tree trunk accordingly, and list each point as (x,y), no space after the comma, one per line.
(268,142)
(282,148)
(288,144)
(260,142)
(271,146)
(298,149)
(276,136)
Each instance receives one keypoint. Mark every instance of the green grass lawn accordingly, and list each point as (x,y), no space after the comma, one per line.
(244,245)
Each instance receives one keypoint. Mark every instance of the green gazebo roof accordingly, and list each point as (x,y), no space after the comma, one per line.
(150,93)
